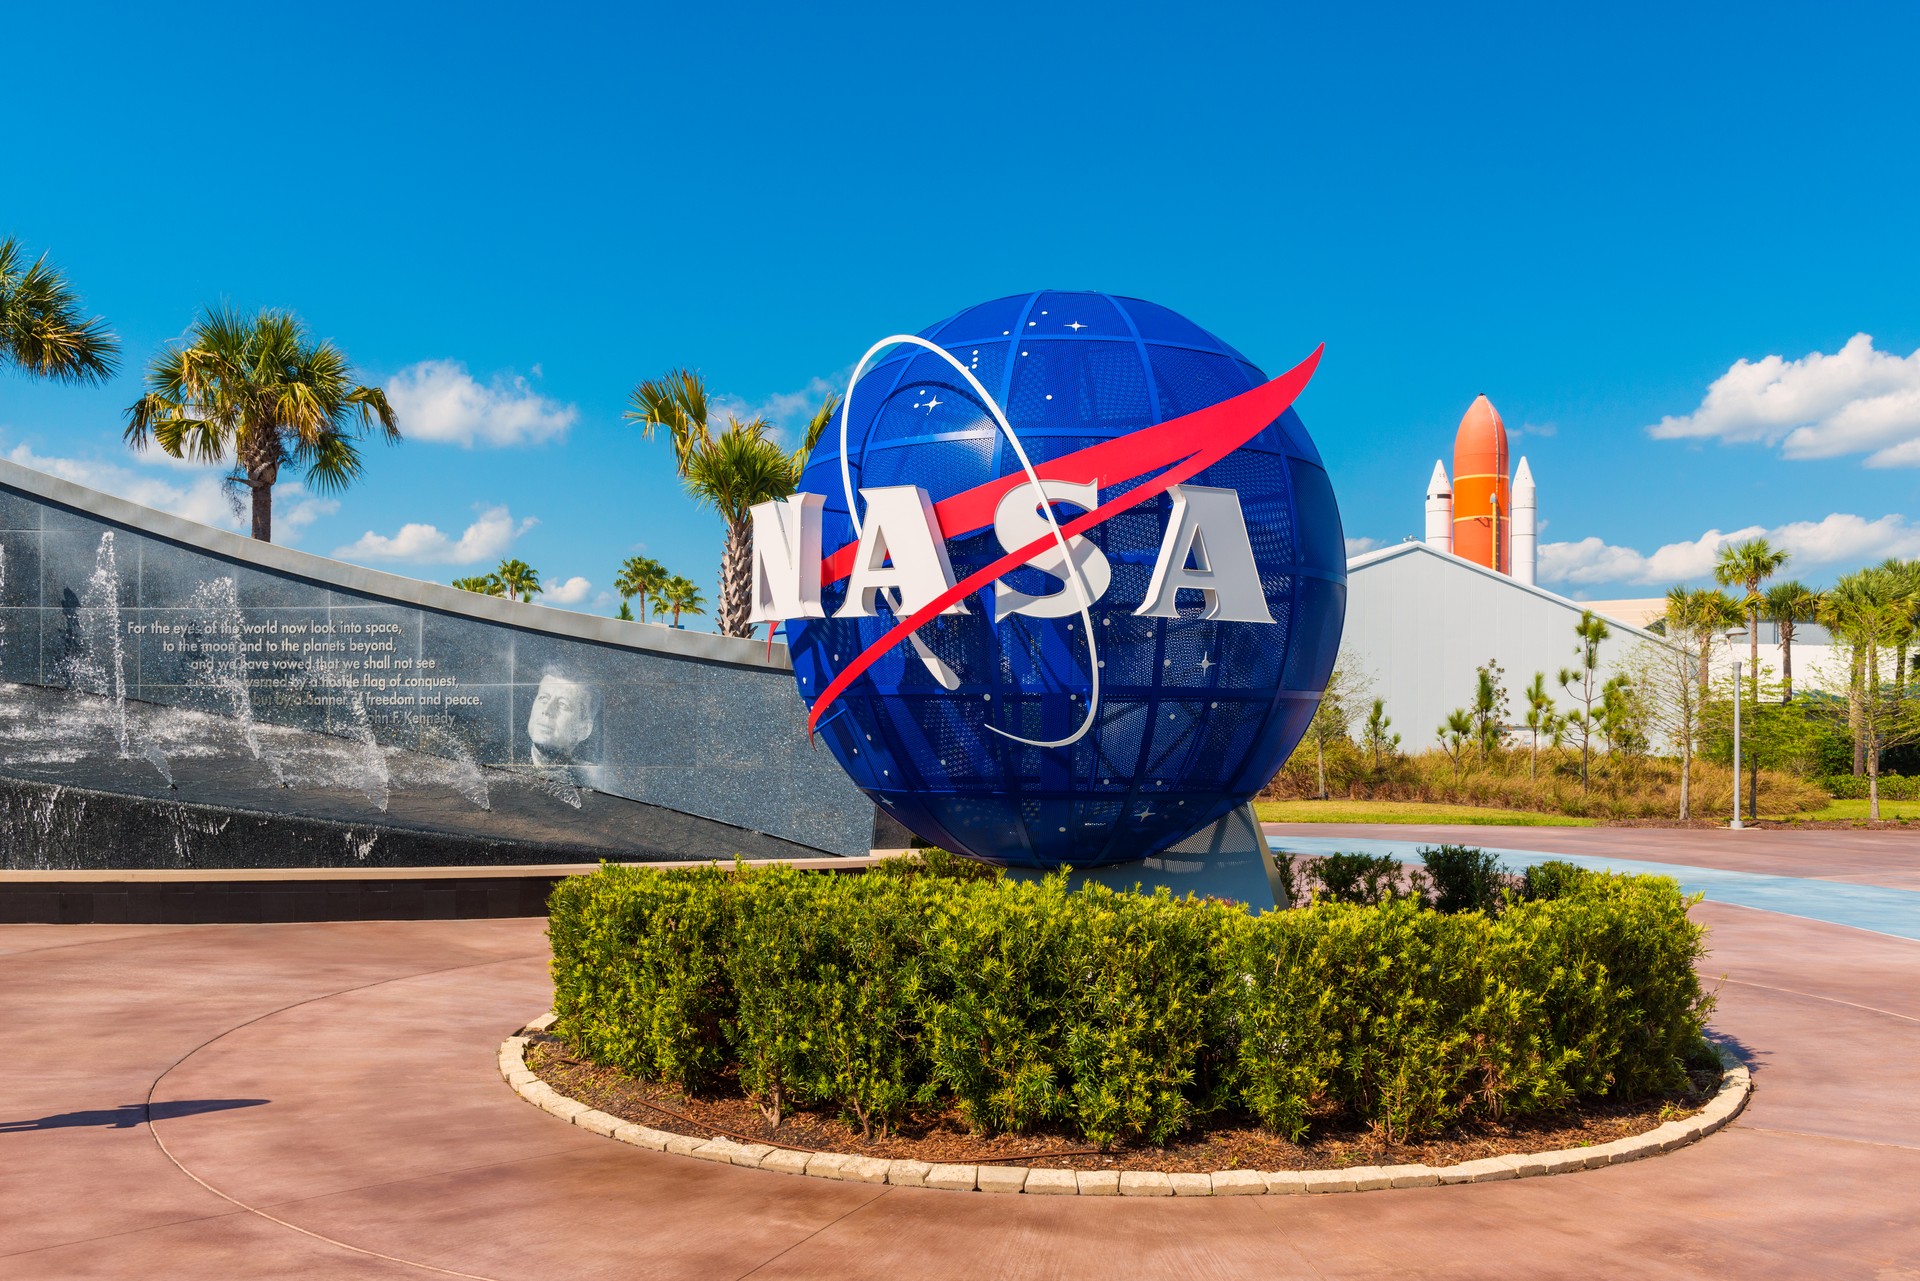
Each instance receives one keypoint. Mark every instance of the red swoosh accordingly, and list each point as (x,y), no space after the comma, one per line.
(1204,437)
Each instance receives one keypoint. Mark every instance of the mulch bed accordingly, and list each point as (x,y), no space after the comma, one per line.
(1223,1143)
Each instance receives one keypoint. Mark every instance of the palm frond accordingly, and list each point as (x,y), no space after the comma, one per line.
(676,402)
(816,428)
(43,328)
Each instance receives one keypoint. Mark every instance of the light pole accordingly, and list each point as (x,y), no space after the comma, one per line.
(1731,638)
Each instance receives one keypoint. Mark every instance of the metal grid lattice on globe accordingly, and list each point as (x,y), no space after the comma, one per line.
(1195,714)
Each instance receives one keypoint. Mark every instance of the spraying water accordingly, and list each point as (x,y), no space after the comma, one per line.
(216,613)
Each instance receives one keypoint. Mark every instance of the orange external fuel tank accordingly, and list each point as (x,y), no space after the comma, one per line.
(1482,501)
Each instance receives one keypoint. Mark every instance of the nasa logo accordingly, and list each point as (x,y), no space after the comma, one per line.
(1066,584)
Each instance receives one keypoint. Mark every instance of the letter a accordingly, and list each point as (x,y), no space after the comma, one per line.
(1207,550)
(899,528)
(786,559)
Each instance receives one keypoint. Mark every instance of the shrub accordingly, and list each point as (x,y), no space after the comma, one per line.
(638,971)
(1121,1016)
(931,860)
(1554,878)
(1358,878)
(1463,879)
(1853,787)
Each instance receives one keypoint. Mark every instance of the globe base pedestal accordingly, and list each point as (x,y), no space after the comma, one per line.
(1227,860)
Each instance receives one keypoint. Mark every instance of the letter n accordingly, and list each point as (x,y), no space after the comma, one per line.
(786,559)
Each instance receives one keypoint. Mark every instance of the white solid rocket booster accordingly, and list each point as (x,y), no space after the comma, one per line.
(1440,509)
(1526,532)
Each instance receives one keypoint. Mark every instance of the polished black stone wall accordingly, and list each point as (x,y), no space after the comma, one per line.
(684,723)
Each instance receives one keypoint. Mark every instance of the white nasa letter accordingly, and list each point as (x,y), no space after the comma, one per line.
(1017,521)
(786,559)
(1209,530)
(900,527)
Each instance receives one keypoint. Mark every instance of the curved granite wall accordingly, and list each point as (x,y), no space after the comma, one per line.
(123,606)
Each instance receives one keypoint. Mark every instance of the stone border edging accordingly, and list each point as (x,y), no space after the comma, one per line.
(1735,1088)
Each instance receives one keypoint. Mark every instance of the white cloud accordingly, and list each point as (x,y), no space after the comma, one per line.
(438,400)
(490,535)
(1856,401)
(1840,538)
(1355,546)
(190,490)
(571,592)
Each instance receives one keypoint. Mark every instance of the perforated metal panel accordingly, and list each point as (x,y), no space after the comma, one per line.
(1195,715)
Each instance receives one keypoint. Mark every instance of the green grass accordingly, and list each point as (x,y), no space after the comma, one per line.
(1858,810)
(1337,811)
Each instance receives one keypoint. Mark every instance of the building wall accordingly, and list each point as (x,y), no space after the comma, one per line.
(1420,621)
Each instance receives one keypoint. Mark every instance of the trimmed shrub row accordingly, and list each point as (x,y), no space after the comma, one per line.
(1120,1016)
(1853,787)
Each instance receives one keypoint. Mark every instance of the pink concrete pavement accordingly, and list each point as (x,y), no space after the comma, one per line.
(325,1104)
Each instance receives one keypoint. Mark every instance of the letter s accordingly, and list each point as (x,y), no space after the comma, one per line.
(1017,521)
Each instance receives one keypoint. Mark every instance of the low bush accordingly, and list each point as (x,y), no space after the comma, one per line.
(1463,879)
(1123,1017)
(1360,878)
(1554,878)
(1853,787)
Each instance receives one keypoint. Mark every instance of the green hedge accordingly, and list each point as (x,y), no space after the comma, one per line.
(1853,787)
(1121,1016)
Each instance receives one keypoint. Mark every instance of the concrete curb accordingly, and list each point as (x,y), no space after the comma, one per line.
(1735,1088)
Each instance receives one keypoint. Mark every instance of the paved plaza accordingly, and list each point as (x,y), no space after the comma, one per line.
(321,1100)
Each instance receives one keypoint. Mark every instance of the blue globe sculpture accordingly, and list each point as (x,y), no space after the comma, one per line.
(1194,715)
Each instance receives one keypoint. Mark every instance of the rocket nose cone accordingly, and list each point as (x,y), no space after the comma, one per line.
(1480,446)
(1481,421)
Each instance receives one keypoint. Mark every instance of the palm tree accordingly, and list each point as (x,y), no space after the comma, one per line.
(1788,604)
(265,395)
(1867,612)
(639,576)
(1903,582)
(730,471)
(519,580)
(678,596)
(1748,565)
(42,329)
(1696,616)
(483,584)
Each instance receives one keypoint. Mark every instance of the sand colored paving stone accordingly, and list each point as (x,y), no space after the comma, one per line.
(330,1104)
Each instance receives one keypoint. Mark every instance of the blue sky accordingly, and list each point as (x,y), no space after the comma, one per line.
(517,214)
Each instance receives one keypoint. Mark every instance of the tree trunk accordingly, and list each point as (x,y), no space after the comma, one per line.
(261,463)
(1320,760)
(1686,778)
(262,512)
(1786,662)
(736,580)
(1855,717)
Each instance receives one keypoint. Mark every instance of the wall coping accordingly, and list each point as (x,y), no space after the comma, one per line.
(652,637)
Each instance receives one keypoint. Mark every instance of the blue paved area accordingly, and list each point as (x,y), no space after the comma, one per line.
(1864,907)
